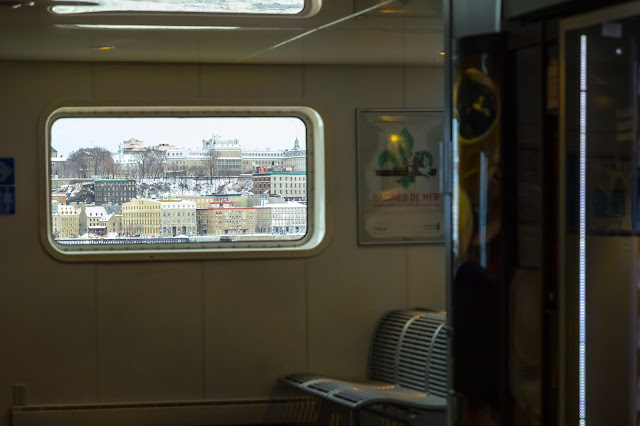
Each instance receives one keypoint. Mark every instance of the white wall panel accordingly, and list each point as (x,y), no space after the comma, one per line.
(424,87)
(146,81)
(47,331)
(150,331)
(344,88)
(215,329)
(255,325)
(249,84)
(349,289)
(426,269)
(350,286)
(47,308)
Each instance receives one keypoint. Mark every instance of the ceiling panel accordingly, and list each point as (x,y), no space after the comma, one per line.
(415,37)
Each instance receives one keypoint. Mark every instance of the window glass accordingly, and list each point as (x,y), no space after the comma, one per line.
(279,7)
(116,177)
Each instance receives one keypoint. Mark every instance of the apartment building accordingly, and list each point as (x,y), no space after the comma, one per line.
(112,223)
(291,185)
(64,220)
(114,191)
(90,220)
(178,217)
(224,218)
(142,217)
(282,218)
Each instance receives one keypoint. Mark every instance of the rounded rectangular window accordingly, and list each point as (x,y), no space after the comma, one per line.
(220,7)
(145,183)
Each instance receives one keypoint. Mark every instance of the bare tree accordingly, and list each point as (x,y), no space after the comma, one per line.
(79,162)
(125,170)
(211,164)
(112,170)
(144,163)
(100,159)
(183,178)
(158,163)
(86,162)
(198,170)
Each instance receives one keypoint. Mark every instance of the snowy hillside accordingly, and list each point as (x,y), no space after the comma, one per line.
(159,188)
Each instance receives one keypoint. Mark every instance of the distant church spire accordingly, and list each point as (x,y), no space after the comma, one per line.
(296,145)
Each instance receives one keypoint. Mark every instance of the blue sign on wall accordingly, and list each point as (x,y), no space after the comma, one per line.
(7,171)
(7,188)
(7,200)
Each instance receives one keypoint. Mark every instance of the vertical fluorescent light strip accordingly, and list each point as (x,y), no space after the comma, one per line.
(483,208)
(456,192)
(582,409)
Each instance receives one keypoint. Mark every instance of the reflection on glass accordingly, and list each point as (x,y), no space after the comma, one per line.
(603,220)
(477,223)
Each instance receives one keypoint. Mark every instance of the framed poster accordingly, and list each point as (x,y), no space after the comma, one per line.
(398,158)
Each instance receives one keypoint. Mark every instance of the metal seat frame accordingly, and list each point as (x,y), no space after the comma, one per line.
(407,367)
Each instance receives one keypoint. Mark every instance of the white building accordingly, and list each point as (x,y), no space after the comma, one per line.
(227,156)
(178,217)
(294,160)
(64,220)
(91,220)
(132,144)
(59,167)
(112,223)
(291,186)
(282,218)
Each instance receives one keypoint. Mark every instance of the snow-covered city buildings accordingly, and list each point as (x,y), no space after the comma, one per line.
(223,218)
(64,220)
(162,190)
(215,157)
(114,191)
(294,159)
(90,220)
(141,218)
(282,218)
(112,224)
(292,186)
(206,201)
(178,217)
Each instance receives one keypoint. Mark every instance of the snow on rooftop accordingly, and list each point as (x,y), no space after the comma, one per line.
(96,211)
(286,204)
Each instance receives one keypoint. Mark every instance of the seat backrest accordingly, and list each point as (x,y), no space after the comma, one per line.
(409,348)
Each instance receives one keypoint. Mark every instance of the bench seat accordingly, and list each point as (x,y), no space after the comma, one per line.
(360,394)
(407,367)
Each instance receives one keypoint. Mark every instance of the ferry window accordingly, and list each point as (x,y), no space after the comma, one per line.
(252,7)
(147,183)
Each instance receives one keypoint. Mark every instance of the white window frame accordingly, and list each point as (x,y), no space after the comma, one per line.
(313,242)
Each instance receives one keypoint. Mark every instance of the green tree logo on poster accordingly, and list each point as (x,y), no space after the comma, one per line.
(404,163)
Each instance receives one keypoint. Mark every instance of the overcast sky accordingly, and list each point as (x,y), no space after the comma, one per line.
(71,134)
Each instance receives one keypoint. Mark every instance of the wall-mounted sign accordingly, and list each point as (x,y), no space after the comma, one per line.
(399,198)
(7,186)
